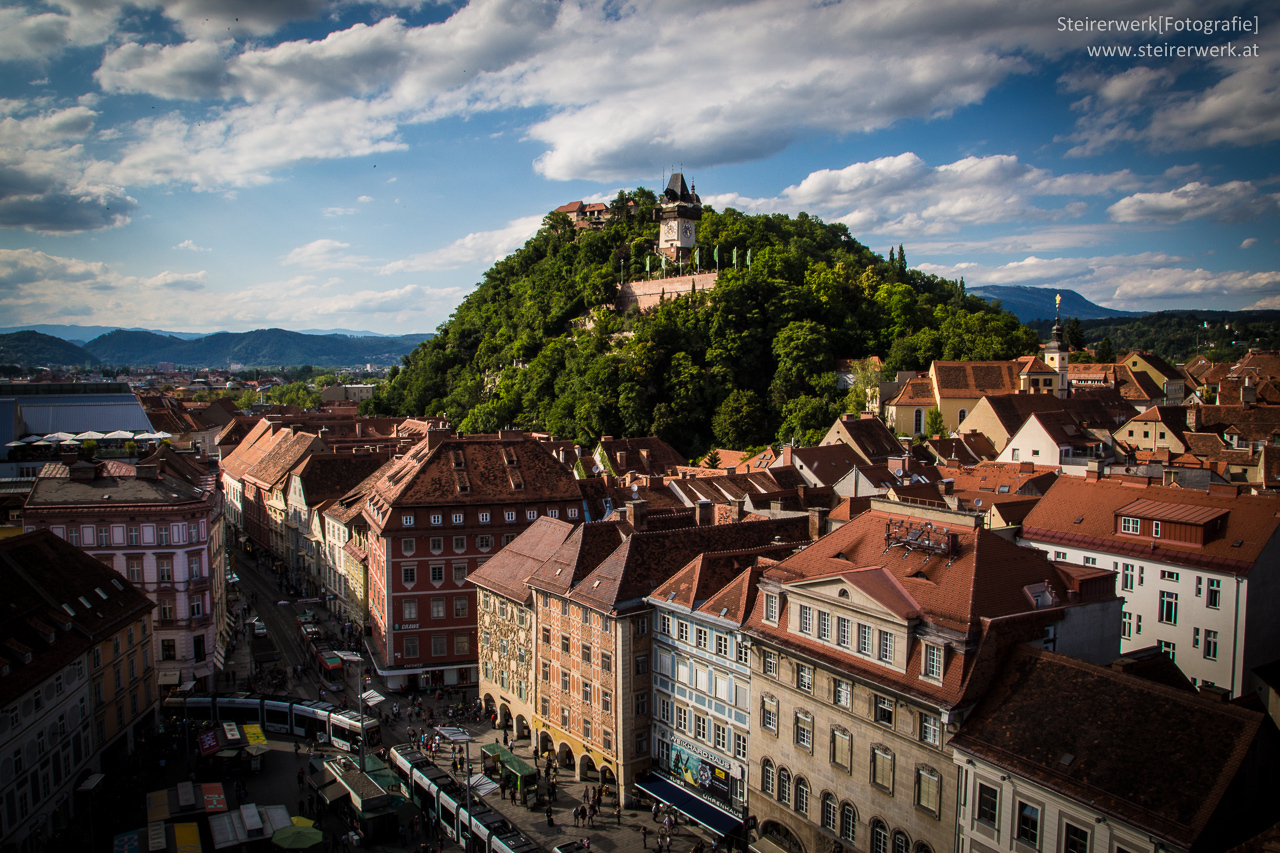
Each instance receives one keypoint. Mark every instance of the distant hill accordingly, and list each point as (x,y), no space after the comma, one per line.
(33,349)
(259,348)
(79,334)
(1036,303)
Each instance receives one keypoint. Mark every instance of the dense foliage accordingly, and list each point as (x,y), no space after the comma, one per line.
(748,362)
(1179,335)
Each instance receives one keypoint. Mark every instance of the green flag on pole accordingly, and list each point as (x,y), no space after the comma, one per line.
(697,257)
(748,259)
(647,258)
(735,257)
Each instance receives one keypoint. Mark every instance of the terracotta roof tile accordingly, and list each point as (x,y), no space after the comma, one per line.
(1154,757)
(509,569)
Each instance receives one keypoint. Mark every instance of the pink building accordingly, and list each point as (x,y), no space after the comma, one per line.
(159,524)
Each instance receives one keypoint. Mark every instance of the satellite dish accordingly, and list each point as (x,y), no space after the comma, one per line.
(596,470)
(897,472)
(977,501)
(635,487)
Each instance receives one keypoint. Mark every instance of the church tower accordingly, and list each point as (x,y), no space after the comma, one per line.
(1057,354)
(678,211)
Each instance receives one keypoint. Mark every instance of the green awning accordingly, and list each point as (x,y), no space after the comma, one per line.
(509,760)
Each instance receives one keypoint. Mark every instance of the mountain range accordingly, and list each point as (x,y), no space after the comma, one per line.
(80,335)
(259,348)
(1036,303)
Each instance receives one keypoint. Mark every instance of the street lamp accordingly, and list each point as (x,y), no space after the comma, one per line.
(368,697)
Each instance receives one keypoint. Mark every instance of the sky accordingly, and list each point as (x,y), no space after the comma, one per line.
(205,165)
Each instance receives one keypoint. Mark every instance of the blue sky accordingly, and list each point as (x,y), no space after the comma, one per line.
(199,165)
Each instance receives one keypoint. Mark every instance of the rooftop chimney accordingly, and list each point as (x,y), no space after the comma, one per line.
(437,437)
(737,504)
(639,514)
(817,521)
(705,513)
(1216,693)
(1193,418)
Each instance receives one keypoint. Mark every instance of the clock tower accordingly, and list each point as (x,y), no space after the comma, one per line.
(678,212)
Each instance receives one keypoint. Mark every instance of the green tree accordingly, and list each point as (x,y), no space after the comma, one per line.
(246,400)
(934,424)
(711,460)
(1104,353)
(1074,334)
(805,420)
(741,420)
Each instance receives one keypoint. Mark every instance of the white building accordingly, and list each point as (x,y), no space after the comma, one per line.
(1199,570)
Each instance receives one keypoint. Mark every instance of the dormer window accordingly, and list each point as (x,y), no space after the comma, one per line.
(406,521)
(1129,525)
(806,619)
(1155,529)
(932,663)
(771,608)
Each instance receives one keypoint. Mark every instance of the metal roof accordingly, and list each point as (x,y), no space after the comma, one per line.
(102,412)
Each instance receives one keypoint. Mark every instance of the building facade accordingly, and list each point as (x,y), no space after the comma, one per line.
(434,516)
(77,682)
(158,524)
(1199,570)
(867,650)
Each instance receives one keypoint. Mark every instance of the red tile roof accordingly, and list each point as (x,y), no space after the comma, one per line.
(509,569)
(1252,522)
(975,378)
(1151,756)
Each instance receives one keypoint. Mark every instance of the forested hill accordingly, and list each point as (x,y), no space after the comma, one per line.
(746,363)
(260,348)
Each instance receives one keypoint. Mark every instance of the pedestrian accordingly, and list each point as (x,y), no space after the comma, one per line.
(550,820)
(644,837)
(586,794)
(586,844)
(575,816)
(617,813)
(655,812)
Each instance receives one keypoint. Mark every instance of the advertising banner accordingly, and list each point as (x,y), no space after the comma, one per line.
(693,765)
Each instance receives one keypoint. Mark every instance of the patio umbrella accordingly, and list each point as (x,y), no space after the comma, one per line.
(145,436)
(42,443)
(303,821)
(297,837)
(162,434)
(70,442)
(31,438)
(90,435)
(257,749)
(16,444)
(118,434)
(58,436)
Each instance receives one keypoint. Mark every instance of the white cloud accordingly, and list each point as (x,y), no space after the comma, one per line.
(904,195)
(190,245)
(1144,105)
(481,247)
(46,178)
(676,96)
(38,287)
(325,255)
(1136,281)
(365,199)
(338,211)
(1249,242)
(1236,201)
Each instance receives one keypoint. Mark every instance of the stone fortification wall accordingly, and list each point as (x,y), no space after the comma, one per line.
(647,294)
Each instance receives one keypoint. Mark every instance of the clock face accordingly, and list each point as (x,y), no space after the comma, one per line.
(686,230)
(669,230)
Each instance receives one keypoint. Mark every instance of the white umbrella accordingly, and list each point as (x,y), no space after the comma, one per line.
(90,435)
(58,436)
(31,439)
(120,433)
(42,443)
(145,436)
(16,444)
(70,442)
(162,434)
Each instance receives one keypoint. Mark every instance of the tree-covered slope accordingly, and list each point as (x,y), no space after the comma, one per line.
(33,349)
(747,362)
